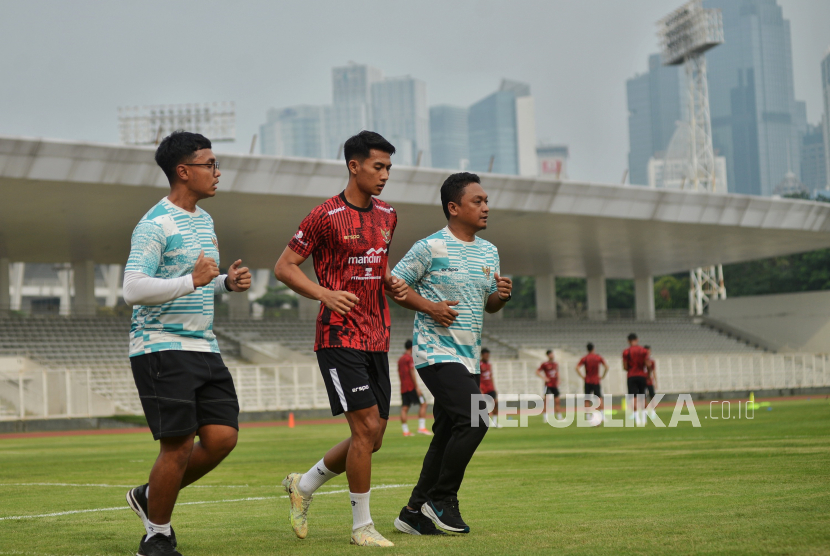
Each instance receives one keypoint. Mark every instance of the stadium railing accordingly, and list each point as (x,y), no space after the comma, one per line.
(72,392)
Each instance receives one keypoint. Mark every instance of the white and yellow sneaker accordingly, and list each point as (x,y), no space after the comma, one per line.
(368,536)
(298,511)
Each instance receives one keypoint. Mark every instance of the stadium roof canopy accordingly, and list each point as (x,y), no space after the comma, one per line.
(64,201)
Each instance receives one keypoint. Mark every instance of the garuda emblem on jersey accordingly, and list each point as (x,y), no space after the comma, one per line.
(386,235)
(215,243)
(486,271)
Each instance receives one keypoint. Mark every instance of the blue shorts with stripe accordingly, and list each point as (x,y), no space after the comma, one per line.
(356,379)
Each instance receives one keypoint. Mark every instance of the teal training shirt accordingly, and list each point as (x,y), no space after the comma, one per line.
(444,268)
(165,244)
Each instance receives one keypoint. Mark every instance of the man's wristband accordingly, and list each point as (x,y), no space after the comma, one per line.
(227,284)
(509,297)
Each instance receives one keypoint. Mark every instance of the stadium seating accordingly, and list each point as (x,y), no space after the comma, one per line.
(676,336)
(96,343)
(96,347)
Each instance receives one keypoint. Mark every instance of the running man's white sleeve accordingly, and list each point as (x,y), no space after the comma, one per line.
(219,285)
(140,289)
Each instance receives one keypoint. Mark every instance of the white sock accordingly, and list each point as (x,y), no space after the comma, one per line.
(422,423)
(404,427)
(315,477)
(147,492)
(360,509)
(155,529)
(559,416)
(643,416)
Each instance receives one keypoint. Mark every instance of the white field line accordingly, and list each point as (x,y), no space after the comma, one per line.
(248,499)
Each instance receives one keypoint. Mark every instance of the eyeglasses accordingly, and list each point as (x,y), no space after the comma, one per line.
(214,166)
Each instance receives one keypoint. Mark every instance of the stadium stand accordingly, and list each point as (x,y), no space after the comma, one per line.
(675,336)
(78,343)
(94,351)
(299,335)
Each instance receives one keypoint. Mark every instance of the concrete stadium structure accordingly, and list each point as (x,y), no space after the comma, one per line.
(65,201)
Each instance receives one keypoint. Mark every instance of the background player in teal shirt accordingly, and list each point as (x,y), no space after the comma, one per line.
(454,276)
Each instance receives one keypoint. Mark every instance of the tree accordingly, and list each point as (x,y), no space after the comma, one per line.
(278,297)
(671,291)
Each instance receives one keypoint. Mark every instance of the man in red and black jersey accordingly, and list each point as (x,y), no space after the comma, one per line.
(591,362)
(487,386)
(635,359)
(651,368)
(348,237)
(411,393)
(549,372)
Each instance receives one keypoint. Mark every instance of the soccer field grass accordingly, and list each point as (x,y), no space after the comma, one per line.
(758,486)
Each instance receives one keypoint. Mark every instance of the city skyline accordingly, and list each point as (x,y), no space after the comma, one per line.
(71,78)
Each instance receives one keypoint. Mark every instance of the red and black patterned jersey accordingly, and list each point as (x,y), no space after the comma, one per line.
(651,366)
(486,380)
(592,361)
(551,370)
(349,246)
(636,358)
(405,366)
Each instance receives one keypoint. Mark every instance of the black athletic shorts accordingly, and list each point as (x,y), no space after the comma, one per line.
(593,389)
(356,379)
(637,385)
(411,398)
(650,391)
(492,393)
(552,390)
(181,391)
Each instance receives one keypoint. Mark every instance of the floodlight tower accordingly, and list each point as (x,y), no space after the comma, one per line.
(685,35)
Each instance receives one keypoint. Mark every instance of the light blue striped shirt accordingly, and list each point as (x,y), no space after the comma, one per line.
(165,244)
(444,268)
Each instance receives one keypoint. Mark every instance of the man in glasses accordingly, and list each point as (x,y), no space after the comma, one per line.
(170,279)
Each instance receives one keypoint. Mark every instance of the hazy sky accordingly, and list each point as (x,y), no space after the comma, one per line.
(65,66)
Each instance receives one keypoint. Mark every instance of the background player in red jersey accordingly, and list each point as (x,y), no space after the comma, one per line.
(348,237)
(651,368)
(634,363)
(410,393)
(591,363)
(549,372)
(486,385)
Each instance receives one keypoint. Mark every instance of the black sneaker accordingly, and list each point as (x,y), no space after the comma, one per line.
(137,499)
(414,522)
(157,545)
(445,514)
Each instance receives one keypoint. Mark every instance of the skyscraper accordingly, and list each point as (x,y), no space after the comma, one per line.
(449,137)
(400,114)
(656,102)
(351,103)
(756,121)
(825,85)
(813,162)
(295,131)
(502,130)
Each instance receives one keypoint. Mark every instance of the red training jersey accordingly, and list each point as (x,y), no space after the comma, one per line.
(486,384)
(650,366)
(636,357)
(592,361)
(551,370)
(405,366)
(349,245)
